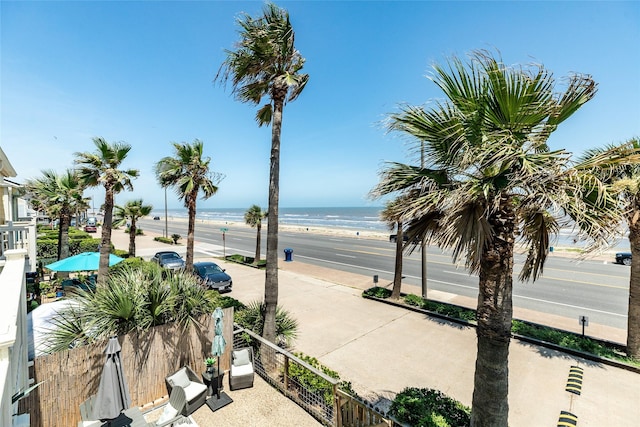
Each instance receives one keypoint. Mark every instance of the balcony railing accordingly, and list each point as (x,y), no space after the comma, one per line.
(19,235)
(13,335)
(310,388)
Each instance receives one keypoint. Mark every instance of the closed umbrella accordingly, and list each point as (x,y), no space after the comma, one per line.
(113,393)
(217,349)
(218,345)
(86,261)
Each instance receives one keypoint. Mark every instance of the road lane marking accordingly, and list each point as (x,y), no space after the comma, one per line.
(550,278)
(570,306)
(530,298)
(346,256)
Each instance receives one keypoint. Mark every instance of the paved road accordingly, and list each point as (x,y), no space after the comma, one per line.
(570,289)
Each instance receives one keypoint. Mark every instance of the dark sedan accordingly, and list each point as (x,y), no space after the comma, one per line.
(623,258)
(213,276)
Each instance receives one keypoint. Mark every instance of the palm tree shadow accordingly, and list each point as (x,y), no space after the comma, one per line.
(550,353)
(447,321)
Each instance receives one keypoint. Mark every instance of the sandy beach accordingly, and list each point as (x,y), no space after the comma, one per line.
(569,251)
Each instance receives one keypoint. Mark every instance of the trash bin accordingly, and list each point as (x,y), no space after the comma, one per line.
(288,254)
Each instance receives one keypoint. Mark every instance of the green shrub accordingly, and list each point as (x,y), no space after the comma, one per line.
(121,253)
(378,292)
(251,318)
(426,407)
(163,240)
(89,245)
(32,305)
(236,258)
(129,263)
(139,231)
(311,381)
(569,340)
(175,237)
(544,333)
(45,287)
(47,248)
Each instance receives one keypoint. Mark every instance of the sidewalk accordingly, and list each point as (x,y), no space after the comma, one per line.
(382,349)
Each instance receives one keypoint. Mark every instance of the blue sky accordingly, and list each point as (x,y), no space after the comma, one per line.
(142,72)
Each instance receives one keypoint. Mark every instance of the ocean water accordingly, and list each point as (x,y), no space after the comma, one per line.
(353,218)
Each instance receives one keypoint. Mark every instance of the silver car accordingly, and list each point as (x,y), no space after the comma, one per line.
(168,259)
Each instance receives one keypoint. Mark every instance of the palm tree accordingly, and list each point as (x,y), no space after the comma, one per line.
(490,178)
(133,210)
(135,299)
(253,217)
(626,181)
(188,172)
(101,168)
(394,219)
(59,194)
(267,64)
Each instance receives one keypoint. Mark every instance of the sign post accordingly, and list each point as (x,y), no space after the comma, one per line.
(224,244)
(584,321)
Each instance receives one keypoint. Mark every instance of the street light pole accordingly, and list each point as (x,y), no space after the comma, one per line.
(166,220)
(423,244)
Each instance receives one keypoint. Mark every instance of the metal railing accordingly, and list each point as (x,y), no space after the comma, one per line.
(309,387)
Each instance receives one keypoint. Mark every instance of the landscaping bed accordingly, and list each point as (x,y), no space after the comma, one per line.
(569,342)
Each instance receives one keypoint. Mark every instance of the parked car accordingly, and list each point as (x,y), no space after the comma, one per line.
(213,276)
(623,258)
(90,228)
(168,259)
(405,238)
(156,218)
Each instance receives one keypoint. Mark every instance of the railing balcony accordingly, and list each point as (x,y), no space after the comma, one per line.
(312,389)
(19,235)
(13,336)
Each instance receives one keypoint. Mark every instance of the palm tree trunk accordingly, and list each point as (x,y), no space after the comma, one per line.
(132,237)
(490,406)
(397,275)
(256,259)
(633,317)
(191,202)
(63,233)
(105,244)
(271,274)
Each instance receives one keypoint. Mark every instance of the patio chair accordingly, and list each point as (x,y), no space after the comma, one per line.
(241,374)
(194,389)
(172,410)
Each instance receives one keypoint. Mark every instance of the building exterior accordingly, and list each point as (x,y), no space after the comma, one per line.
(17,256)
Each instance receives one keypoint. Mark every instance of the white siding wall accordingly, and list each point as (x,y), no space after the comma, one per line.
(14,373)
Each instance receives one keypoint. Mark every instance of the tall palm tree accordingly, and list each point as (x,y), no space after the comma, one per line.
(102,168)
(626,181)
(59,194)
(188,172)
(253,217)
(132,211)
(490,178)
(267,64)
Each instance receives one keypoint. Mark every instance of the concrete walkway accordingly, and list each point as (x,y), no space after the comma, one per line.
(382,349)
